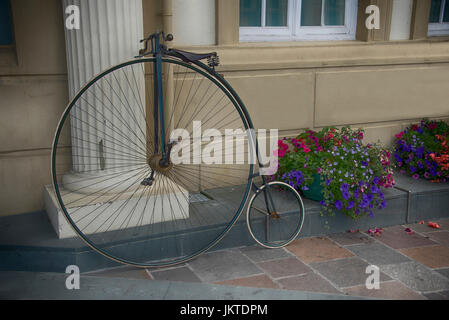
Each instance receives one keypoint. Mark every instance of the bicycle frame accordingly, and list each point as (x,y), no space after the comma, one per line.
(158,50)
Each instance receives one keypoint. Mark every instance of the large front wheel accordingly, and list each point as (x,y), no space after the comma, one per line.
(116,188)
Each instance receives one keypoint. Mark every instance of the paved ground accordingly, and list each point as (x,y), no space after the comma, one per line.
(412,265)
(44,286)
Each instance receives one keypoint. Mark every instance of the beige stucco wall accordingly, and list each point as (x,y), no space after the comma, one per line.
(380,87)
(33,93)
(290,86)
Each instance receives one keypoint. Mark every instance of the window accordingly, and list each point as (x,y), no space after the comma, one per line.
(6,37)
(286,20)
(439,18)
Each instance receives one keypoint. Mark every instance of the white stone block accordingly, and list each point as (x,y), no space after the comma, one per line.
(131,209)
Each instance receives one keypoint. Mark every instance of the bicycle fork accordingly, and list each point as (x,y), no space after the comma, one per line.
(158,161)
(271,212)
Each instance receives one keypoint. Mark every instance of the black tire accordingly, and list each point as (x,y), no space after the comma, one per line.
(103,155)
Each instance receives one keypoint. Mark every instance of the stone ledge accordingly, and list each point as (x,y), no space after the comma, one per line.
(41,250)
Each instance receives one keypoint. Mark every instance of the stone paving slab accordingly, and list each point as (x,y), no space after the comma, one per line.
(442,295)
(260,281)
(310,282)
(348,238)
(441,237)
(433,256)
(183,274)
(391,290)
(223,265)
(424,228)
(443,271)
(121,272)
(377,253)
(284,267)
(397,238)
(317,249)
(260,254)
(346,272)
(416,276)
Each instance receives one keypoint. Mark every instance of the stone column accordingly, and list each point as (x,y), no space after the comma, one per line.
(110,31)
(109,34)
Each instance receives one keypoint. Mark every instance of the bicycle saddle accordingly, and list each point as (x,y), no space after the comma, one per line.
(212,57)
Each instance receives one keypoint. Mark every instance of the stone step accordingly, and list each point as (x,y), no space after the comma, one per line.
(29,243)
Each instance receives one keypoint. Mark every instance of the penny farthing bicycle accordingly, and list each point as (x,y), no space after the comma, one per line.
(128,170)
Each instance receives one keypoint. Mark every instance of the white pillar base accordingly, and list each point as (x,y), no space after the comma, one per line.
(152,205)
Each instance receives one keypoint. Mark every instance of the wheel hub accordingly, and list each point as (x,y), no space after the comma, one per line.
(156,163)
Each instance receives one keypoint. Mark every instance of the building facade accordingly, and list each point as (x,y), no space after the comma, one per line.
(296,64)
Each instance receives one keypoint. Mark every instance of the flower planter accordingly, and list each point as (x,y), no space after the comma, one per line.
(422,151)
(353,170)
(315,191)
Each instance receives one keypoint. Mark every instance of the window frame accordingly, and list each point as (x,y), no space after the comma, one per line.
(8,52)
(12,44)
(441,28)
(295,32)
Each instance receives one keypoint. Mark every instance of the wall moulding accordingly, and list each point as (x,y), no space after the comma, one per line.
(264,56)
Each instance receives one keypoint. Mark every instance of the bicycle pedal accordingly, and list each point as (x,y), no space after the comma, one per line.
(147,182)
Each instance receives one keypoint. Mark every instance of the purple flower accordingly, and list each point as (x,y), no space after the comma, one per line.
(346,195)
(350,205)
(416,176)
(374,189)
(338,205)
(344,187)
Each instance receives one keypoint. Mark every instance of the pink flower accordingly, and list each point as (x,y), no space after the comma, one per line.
(399,135)
(432,125)
(279,153)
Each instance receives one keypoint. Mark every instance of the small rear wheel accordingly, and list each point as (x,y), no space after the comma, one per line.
(275,215)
